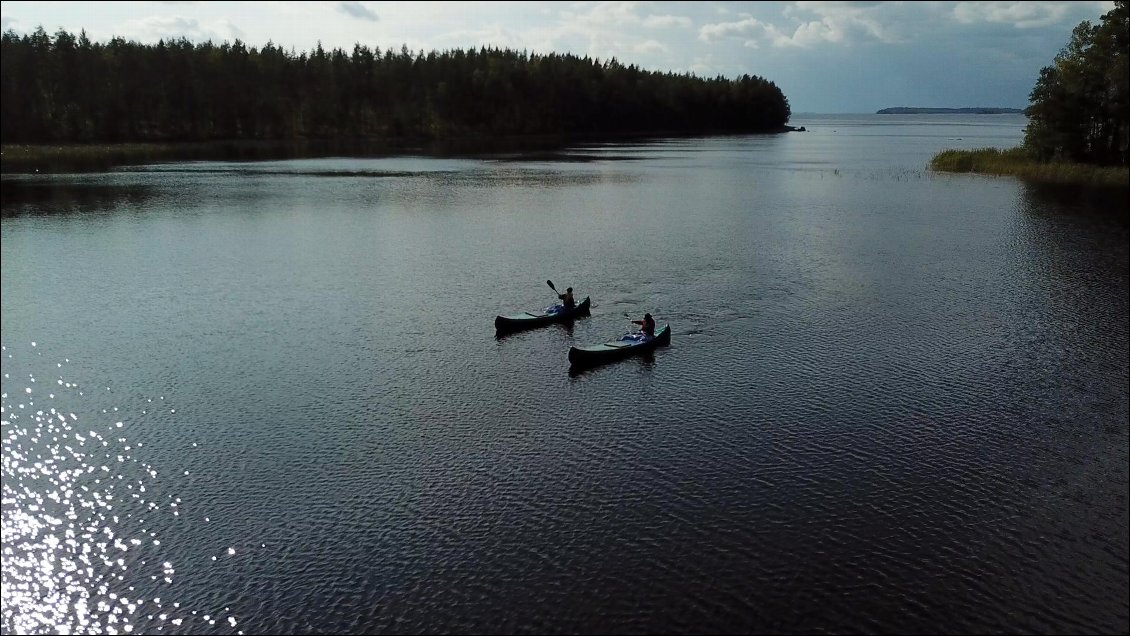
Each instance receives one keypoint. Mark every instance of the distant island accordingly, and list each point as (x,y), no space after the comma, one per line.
(904,110)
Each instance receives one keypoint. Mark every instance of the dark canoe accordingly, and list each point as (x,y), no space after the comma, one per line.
(530,319)
(609,351)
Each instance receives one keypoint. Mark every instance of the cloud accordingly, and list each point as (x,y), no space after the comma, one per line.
(666,21)
(1021,15)
(171,27)
(600,30)
(840,30)
(813,5)
(357,10)
(603,30)
(650,46)
(811,24)
(7,23)
(750,30)
(847,22)
(604,14)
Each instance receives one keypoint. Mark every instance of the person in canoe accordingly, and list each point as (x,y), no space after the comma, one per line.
(647,327)
(567,300)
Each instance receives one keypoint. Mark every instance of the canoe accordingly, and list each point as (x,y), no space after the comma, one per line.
(531,319)
(625,346)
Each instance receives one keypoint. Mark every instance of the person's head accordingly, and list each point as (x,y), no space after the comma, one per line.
(569,290)
(647,317)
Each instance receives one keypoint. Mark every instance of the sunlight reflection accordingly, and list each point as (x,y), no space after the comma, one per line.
(76,546)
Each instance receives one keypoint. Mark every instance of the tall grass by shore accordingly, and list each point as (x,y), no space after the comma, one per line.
(31,158)
(1017,162)
(49,158)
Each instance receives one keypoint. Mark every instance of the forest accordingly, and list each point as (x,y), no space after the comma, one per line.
(1080,106)
(64,88)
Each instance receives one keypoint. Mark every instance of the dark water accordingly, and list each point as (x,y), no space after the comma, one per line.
(894,401)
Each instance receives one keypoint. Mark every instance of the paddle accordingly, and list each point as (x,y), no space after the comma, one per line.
(550,283)
(626,315)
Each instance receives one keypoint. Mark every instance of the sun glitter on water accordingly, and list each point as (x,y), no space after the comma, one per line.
(80,554)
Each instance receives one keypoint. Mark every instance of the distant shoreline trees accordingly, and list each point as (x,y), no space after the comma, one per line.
(66,88)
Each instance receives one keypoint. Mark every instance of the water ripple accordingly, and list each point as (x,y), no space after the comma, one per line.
(80,504)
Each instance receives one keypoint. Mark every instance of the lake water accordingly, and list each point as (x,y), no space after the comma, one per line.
(268,397)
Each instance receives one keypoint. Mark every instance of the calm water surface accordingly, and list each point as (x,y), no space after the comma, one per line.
(268,397)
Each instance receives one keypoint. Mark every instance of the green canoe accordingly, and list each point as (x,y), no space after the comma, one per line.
(627,345)
(530,319)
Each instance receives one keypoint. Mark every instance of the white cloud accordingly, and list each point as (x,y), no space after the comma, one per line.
(750,30)
(357,10)
(849,22)
(722,30)
(811,33)
(666,21)
(650,46)
(602,30)
(608,13)
(821,7)
(812,24)
(1022,15)
(155,28)
(840,30)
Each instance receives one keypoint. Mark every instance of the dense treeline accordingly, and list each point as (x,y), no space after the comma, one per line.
(1079,107)
(65,88)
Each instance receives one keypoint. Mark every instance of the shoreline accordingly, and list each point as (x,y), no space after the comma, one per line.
(34,158)
(1017,163)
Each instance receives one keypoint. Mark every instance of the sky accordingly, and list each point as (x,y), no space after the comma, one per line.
(827,57)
